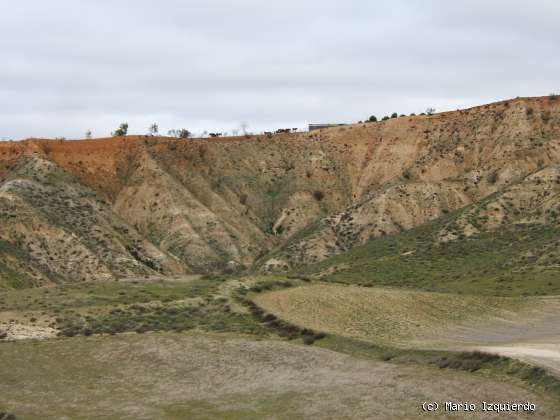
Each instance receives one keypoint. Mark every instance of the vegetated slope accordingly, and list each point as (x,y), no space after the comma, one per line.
(504,244)
(273,203)
(56,229)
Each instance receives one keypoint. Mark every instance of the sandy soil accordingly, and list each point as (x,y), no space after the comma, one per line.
(160,376)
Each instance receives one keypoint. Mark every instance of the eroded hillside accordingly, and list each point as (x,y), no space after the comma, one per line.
(139,205)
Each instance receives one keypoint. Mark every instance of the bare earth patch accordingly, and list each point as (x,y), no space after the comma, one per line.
(160,376)
(16,331)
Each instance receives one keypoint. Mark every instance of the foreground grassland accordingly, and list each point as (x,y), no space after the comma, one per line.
(206,350)
(210,376)
(520,260)
(382,315)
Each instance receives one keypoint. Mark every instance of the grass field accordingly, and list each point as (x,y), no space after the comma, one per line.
(382,315)
(209,376)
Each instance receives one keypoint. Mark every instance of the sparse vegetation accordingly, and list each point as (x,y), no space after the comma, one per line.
(181,133)
(407,173)
(122,130)
(153,130)
(493,176)
(318,195)
(471,361)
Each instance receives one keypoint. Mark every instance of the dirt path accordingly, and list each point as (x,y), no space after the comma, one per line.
(532,336)
(548,358)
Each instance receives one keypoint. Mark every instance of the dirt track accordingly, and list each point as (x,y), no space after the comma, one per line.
(533,336)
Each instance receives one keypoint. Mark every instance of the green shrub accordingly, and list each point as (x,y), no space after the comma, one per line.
(319,336)
(308,340)
(469,361)
(318,195)
(407,173)
(122,130)
(493,177)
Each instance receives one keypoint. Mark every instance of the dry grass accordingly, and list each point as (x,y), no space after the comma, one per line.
(179,376)
(381,315)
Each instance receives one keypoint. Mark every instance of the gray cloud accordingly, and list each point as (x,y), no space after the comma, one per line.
(72,65)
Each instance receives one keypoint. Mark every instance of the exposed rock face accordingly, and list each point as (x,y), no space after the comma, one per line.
(112,208)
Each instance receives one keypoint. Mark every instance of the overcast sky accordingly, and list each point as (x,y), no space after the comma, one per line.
(71,65)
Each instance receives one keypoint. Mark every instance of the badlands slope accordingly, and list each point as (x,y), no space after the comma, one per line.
(126,206)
